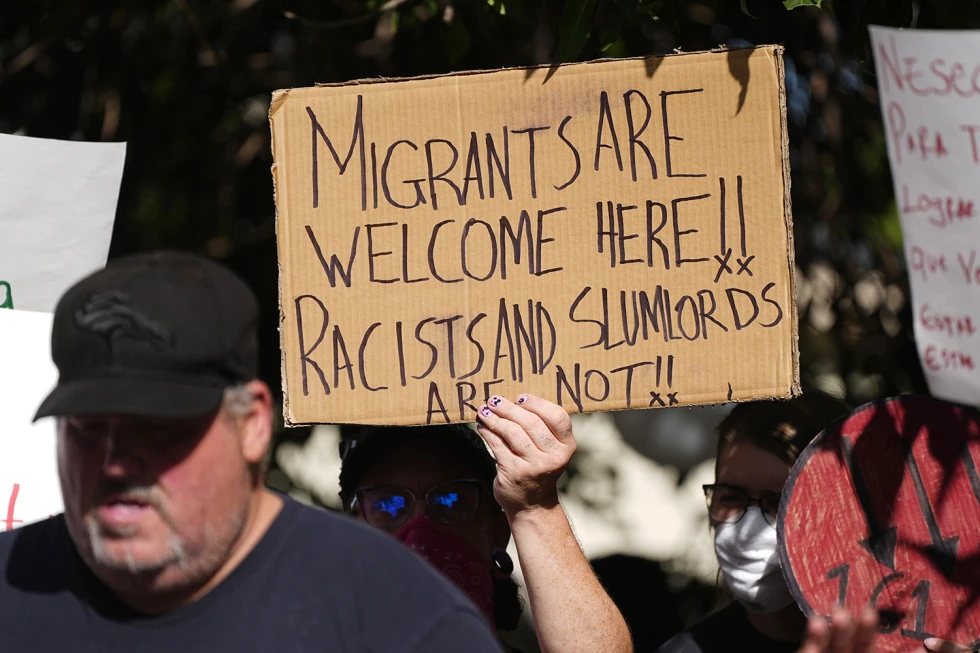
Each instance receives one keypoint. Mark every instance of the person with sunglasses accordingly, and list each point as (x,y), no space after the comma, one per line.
(438,490)
(758,443)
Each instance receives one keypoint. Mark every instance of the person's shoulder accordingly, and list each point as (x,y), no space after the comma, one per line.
(370,578)
(354,546)
(681,643)
(726,621)
(34,554)
(46,532)
(711,634)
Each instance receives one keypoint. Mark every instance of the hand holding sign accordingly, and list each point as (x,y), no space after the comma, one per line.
(532,441)
(844,634)
(598,235)
(935,645)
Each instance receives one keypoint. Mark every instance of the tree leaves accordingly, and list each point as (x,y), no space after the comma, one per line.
(793,4)
(574,28)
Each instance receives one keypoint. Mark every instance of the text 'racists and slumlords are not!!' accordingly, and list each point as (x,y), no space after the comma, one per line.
(599,239)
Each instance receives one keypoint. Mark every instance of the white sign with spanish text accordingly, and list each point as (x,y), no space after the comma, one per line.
(929,86)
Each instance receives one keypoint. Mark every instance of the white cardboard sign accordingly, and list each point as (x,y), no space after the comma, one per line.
(29,487)
(57,207)
(929,86)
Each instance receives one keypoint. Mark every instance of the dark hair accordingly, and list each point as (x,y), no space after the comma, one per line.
(507,604)
(783,428)
(360,451)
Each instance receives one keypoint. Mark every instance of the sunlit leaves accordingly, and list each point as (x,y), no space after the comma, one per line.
(794,4)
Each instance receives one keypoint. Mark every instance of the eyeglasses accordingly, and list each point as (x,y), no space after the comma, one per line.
(727,504)
(389,507)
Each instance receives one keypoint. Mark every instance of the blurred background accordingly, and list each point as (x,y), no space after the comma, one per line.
(187,84)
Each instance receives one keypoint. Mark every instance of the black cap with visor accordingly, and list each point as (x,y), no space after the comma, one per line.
(158,335)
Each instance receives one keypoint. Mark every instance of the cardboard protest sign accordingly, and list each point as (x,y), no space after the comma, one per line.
(607,235)
(883,508)
(929,85)
(59,204)
(29,487)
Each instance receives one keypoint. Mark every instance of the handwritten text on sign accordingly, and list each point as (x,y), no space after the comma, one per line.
(7,295)
(613,235)
(930,98)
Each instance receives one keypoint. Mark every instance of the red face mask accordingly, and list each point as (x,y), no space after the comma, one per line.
(453,557)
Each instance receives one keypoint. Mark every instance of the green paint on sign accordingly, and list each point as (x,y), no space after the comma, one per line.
(8,296)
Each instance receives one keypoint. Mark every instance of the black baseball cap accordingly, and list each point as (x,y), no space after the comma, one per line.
(161,334)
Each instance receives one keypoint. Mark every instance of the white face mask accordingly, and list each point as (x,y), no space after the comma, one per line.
(748,559)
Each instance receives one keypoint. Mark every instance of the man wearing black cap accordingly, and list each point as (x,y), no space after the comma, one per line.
(169,541)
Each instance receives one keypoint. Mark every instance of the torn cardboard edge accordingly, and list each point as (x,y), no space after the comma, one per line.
(796,390)
(279,98)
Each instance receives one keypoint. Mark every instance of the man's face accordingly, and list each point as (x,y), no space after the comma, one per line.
(153,502)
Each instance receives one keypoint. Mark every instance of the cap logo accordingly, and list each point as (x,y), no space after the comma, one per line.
(112,315)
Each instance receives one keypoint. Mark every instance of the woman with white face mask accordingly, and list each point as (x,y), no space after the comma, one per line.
(757,446)
(758,443)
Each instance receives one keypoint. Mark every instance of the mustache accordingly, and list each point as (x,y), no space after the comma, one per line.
(144,493)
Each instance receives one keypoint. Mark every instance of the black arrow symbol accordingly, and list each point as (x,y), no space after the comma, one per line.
(971,470)
(881,543)
(943,549)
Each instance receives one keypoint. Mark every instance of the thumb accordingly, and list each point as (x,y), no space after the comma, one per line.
(936,645)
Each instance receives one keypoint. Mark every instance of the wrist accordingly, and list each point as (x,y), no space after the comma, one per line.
(541,510)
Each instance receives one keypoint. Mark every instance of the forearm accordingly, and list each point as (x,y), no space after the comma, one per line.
(572,612)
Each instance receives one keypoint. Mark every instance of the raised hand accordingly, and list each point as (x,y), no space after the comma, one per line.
(532,441)
(936,645)
(843,634)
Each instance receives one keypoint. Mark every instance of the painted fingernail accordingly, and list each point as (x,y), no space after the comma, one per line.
(494,401)
(485,411)
(522,399)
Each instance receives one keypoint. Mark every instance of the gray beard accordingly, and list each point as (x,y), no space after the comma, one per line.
(189,561)
(176,554)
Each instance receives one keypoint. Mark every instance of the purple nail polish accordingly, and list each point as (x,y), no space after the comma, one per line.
(521,399)
(485,411)
(495,401)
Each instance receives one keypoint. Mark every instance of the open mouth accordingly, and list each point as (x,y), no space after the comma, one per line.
(121,508)
(124,500)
